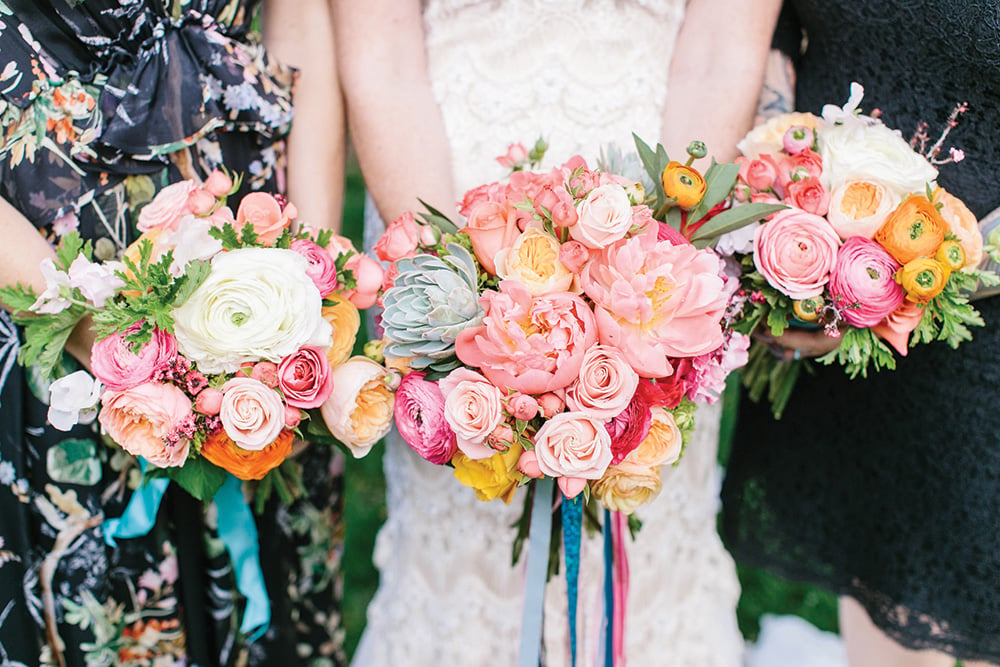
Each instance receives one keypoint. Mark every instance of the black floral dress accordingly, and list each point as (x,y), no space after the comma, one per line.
(102,104)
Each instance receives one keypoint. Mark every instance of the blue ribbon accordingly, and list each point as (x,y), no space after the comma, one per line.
(239,533)
(609,592)
(140,513)
(537,569)
(572,524)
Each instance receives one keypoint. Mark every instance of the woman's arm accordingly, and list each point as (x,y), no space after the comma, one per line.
(300,33)
(395,122)
(716,74)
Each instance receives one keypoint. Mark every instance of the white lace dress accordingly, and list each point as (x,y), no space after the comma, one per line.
(581,73)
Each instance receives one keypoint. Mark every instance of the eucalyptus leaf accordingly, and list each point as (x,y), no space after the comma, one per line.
(719,182)
(733,219)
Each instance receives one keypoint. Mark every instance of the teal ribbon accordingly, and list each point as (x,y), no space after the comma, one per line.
(538,565)
(140,513)
(609,592)
(238,532)
(572,526)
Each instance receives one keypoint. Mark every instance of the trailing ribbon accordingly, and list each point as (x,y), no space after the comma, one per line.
(140,513)
(572,525)
(537,569)
(620,523)
(609,592)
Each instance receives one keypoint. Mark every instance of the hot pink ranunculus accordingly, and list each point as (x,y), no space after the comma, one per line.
(118,366)
(251,413)
(419,414)
(864,276)
(473,409)
(167,208)
(143,419)
(491,227)
(532,345)
(322,267)
(571,444)
(656,300)
(605,386)
(400,239)
(304,377)
(795,252)
(263,212)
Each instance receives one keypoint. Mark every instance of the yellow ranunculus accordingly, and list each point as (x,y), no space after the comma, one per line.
(493,477)
(951,254)
(923,278)
(683,184)
(624,488)
(345,320)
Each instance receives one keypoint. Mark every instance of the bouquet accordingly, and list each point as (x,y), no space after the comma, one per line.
(217,336)
(869,250)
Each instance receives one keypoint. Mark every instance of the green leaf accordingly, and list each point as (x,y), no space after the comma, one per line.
(654,162)
(733,219)
(439,219)
(226,235)
(719,182)
(198,477)
(70,247)
(248,237)
(673,218)
(19,298)
(195,274)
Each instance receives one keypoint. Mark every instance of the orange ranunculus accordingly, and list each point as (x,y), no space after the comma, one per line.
(684,184)
(914,229)
(244,463)
(345,320)
(923,278)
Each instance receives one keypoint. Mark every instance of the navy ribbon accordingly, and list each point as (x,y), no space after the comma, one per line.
(537,569)
(572,524)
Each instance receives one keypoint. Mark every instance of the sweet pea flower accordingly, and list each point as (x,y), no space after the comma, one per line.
(51,300)
(73,400)
(97,282)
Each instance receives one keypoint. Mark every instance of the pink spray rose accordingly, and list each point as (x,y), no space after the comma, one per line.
(759,173)
(522,406)
(473,410)
(265,214)
(368,275)
(605,216)
(251,413)
(532,345)
(322,267)
(218,183)
(515,156)
(491,227)
(399,240)
(795,252)
(200,201)
(304,377)
(865,275)
(167,208)
(419,414)
(143,418)
(656,300)
(809,195)
(573,255)
(115,363)
(605,386)
(574,446)
(208,401)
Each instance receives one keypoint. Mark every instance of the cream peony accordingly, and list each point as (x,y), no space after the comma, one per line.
(256,304)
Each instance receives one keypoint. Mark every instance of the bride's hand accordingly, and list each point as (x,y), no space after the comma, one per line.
(798,343)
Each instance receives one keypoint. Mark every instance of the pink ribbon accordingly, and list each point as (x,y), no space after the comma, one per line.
(620,583)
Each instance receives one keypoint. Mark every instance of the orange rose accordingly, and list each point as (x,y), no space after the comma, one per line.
(243,463)
(491,228)
(963,224)
(914,229)
(684,184)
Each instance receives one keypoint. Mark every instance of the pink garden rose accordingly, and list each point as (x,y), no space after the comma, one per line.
(263,212)
(400,239)
(605,216)
(167,208)
(809,195)
(656,300)
(419,413)
(115,363)
(795,252)
(605,386)
(304,377)
(251,413)
(574,446)
(473,410)
(491,227)
(532,345)
(143,419)
(865,275)
(322,267)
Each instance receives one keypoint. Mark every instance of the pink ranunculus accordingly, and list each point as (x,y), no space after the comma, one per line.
(795,252)
(400,239)
(118,366)
(605,216)
(809,195)
(573,255)
(263,212)
(491,227)
(419,414)
(322,267)
(218,183)
(304,377)
(251,413)
(864,276)
(571,444)
(656,300)
(515,156)
(629,428)
(606,384)
(897,326)
(473,409)
(167,208)
(759,173)
(368,275)
(798,138)
(143,418)
(532,345)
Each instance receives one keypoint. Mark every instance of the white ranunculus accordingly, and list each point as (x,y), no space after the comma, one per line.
(73,399)
(738,241)
(256,304)
(859,150)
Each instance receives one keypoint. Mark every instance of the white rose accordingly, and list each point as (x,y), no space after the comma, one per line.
(359,411)
(605,216)
(858,150)
(769,137)
(73,400)
(256,304)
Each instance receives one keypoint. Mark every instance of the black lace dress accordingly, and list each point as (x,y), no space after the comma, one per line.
(102,104)
(888,489)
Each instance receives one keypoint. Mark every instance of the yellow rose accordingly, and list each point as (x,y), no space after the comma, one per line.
(344,318)
(491,478)
(359,411)
(963,224)
(683,184)
(769,137)
(923,278)
(624,487)
(533,261)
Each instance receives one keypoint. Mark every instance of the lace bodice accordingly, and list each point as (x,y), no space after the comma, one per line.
(581,73)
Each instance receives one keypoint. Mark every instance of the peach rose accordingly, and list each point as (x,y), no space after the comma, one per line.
(143,419)
(400,239)
(795,252)
(359,411)
(606,384)
(624,488)
(491,227)
(263,212)
(661,446)
(571,444)
(963,224)
(858,207)
(473,409)
(252,413)
(605,216)
(533,261)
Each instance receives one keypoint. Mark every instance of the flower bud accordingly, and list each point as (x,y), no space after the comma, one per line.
(201,202)
(265,372)
(528,465)
(292,416)
(208,402)
(522,406)
(697,149)
(550,405)
(808,310)
(218,184)
(797,138)
(951,254)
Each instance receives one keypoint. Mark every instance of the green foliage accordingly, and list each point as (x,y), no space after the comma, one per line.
(654,162)
(45,338)
(731,220)
(438,219)
(766,373)
(859,349)
(719,182)
(197,476)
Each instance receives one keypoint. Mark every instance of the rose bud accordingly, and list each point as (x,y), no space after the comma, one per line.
(528,464)
(292,416)
(550,405)
(573,255)
(522,407)
(265,372)
(208,402)
(218,184)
